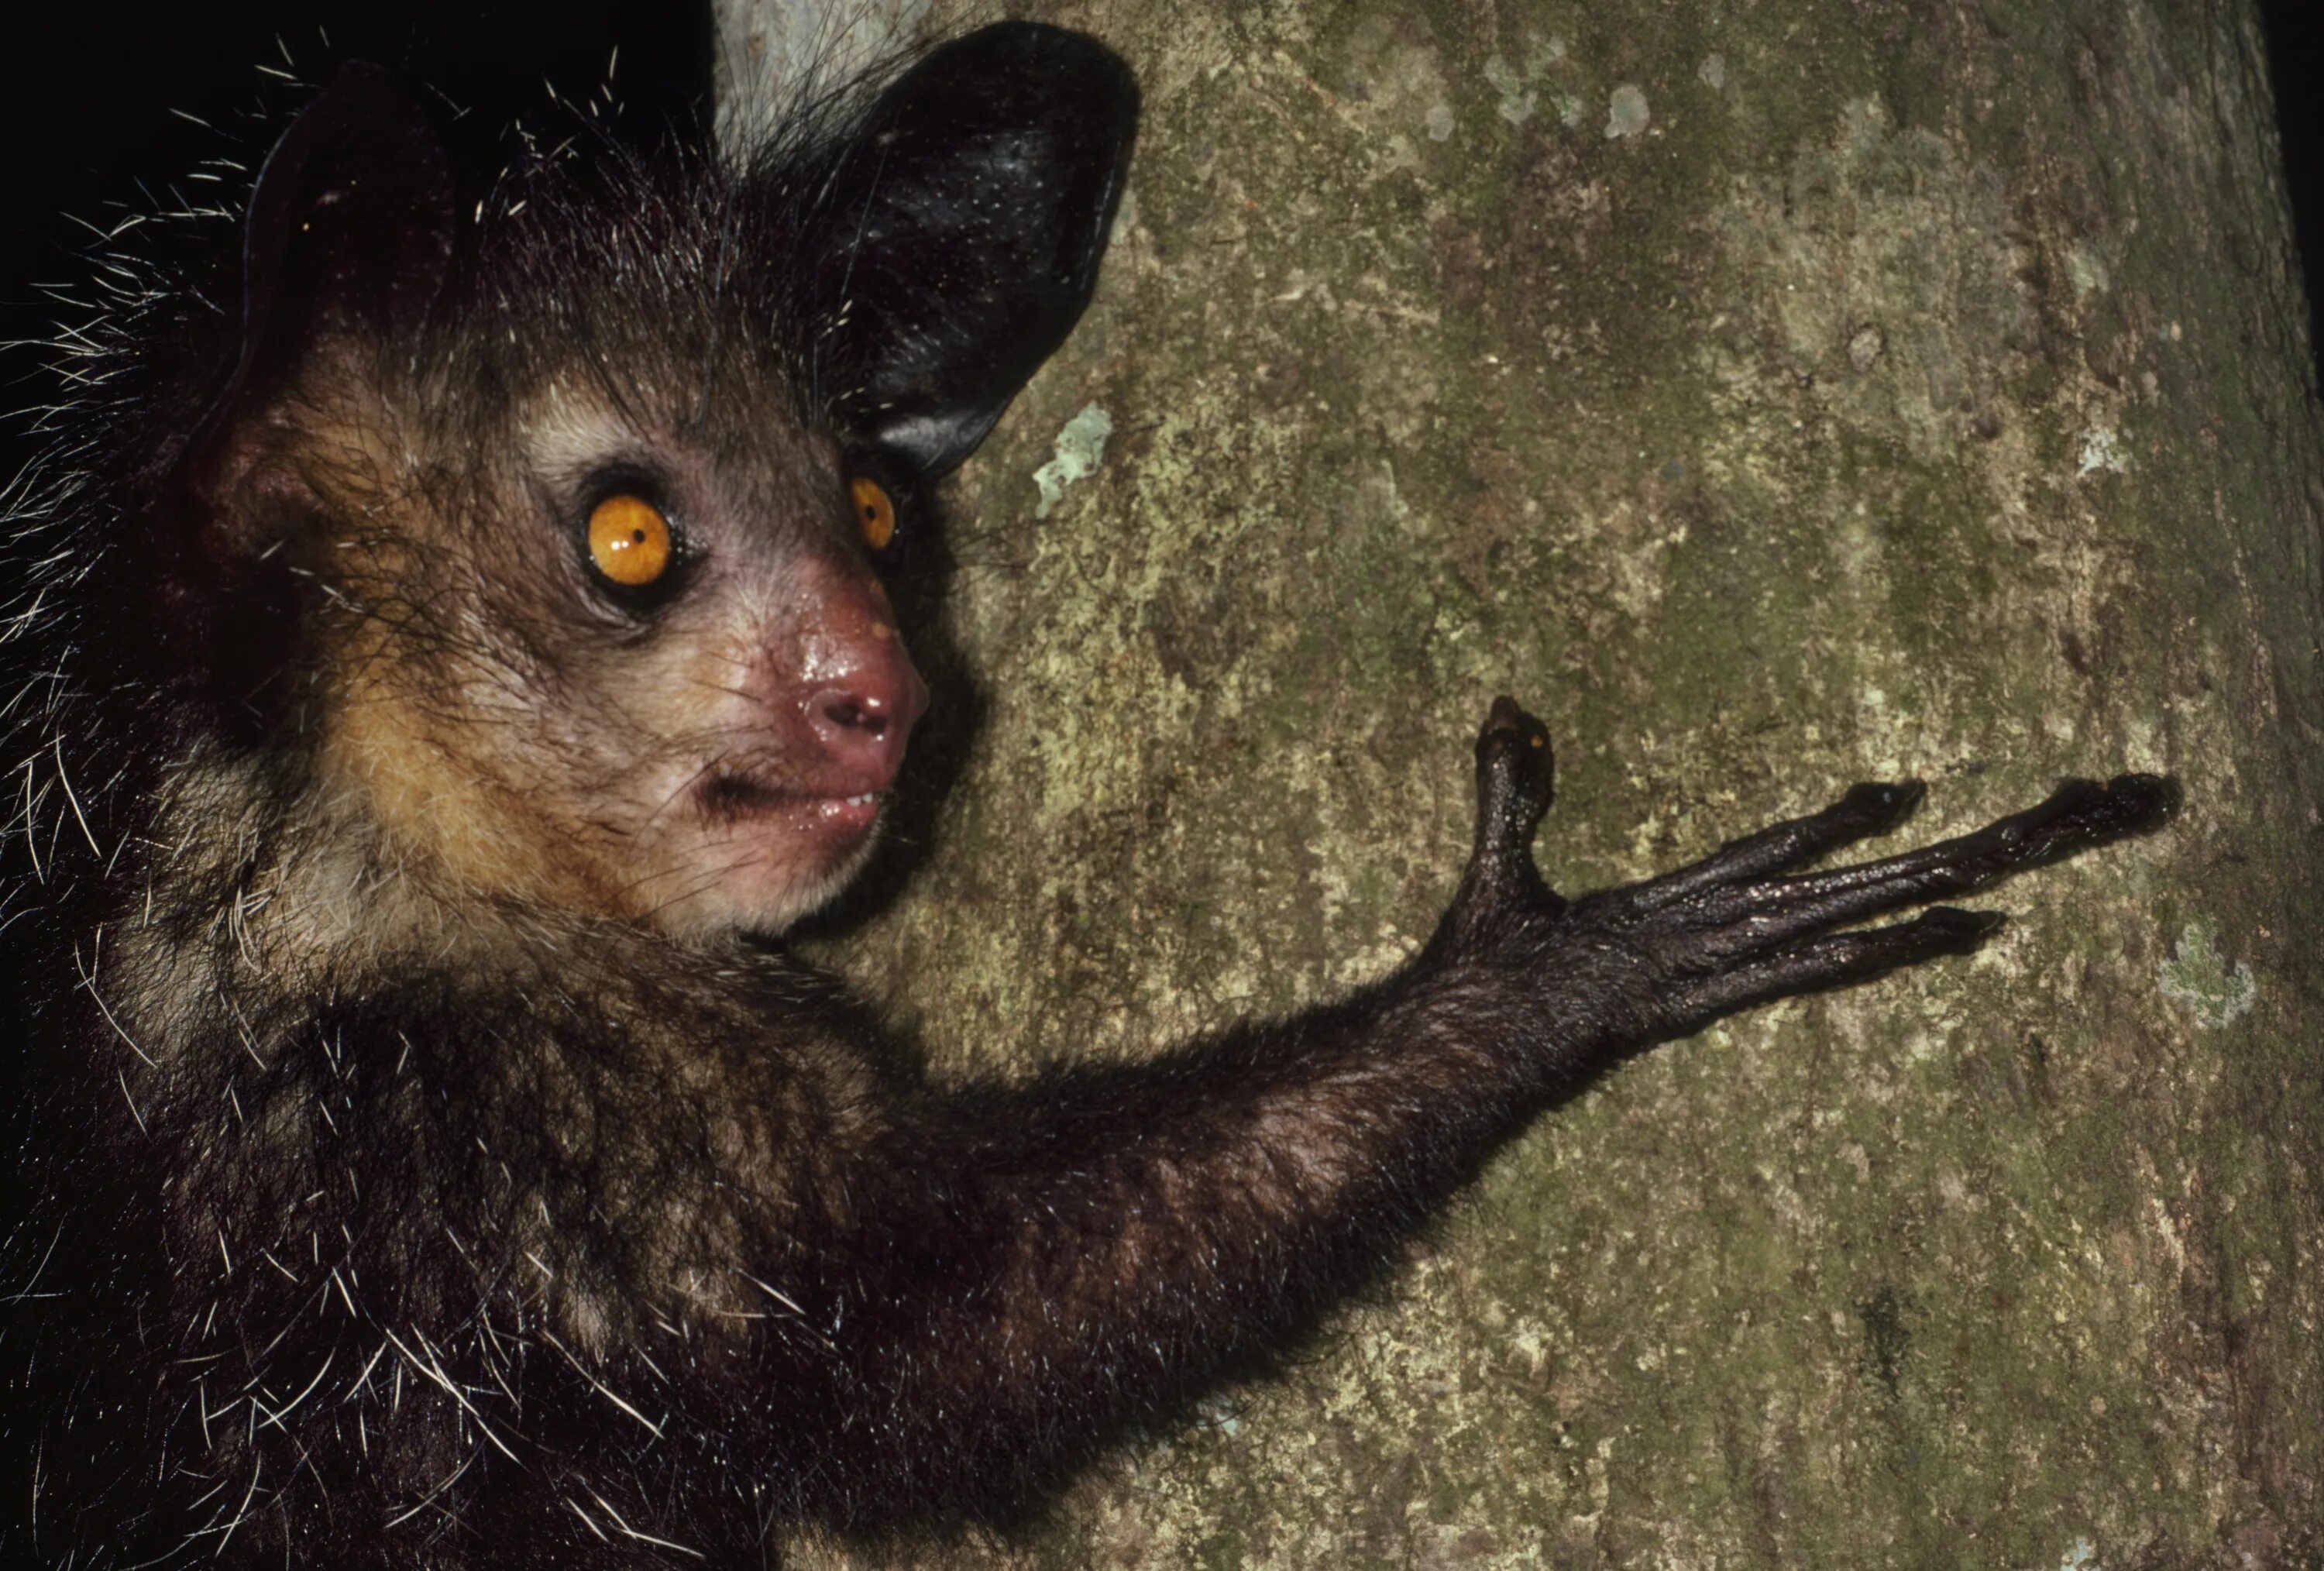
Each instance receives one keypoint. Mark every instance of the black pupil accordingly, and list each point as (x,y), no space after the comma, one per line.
(637,537)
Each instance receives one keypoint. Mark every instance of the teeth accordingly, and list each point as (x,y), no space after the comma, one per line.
(864,800)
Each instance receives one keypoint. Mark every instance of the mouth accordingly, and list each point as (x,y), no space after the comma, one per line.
(739,798)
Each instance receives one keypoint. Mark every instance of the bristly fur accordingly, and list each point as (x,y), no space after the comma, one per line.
(417,1165)
(180,874)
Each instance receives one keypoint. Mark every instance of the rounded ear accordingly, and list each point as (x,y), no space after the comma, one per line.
(348,234)
(957,238)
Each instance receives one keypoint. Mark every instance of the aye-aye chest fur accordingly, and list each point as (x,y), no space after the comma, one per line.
(449,664)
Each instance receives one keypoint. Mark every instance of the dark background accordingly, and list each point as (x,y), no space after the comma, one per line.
(89,112)
(93,126)
(2295,44)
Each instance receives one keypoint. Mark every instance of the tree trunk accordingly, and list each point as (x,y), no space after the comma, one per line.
(1772,397)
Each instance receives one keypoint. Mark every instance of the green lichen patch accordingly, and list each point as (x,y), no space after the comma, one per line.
(1627,113)
(2198,978)
(1081,448)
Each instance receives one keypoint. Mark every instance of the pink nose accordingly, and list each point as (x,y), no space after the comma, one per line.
(865,715)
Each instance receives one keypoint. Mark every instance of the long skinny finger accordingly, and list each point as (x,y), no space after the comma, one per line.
(2078,815)
(1865,811)
(1835,960)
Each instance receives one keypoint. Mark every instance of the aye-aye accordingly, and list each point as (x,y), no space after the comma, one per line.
(450,634)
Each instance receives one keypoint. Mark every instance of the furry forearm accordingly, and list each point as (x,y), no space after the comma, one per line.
(1102,1242)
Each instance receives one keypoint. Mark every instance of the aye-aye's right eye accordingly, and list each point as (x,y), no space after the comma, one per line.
(875,514)
(630,540)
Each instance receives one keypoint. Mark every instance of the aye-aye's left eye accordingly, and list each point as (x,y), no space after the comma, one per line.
(630,540)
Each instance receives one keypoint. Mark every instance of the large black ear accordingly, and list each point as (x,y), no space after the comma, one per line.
(960,236)
(348,236)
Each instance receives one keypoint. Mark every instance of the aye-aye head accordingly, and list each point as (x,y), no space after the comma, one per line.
(549,532)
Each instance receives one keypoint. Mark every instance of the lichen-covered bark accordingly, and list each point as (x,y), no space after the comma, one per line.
(1771,396)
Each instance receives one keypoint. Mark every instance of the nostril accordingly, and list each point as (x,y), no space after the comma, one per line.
(852,713)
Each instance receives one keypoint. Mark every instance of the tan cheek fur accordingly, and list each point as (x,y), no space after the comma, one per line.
(414,771)
(578,799)
(429,728)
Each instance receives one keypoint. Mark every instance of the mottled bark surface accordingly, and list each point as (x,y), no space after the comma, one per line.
(1772,397)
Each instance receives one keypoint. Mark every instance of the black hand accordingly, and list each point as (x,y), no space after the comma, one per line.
(1738,928)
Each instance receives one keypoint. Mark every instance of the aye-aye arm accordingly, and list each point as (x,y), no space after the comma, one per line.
(1068,1259)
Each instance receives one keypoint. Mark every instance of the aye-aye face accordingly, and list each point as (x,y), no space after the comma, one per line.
(624,653)
(581,498)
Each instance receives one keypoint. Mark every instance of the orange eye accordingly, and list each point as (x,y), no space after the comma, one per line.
(874,513)
(629,541)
